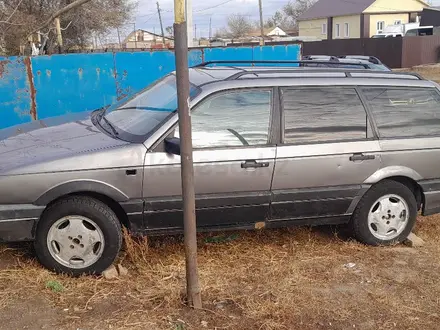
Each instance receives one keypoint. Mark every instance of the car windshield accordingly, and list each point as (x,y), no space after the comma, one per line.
(136,118)
(378,36)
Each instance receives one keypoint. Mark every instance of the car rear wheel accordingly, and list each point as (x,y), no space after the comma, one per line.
(385,215)
(78,235)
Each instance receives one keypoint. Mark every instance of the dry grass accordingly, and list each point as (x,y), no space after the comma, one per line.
(280,279)
(431,72)
(283,279)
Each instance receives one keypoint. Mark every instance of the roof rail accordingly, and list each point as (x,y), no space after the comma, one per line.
(348,73)
(333,63)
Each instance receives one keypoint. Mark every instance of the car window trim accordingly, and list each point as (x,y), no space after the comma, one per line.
(369,113)
(283,120)
(431,88)
(276,121)
(271,127)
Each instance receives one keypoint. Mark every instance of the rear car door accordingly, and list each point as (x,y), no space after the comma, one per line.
(233,165)
(408,122)
(328,149)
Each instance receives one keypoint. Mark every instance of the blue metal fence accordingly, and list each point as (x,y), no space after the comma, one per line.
(46,86)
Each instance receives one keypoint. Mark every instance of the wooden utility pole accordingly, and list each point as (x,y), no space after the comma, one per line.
(135,35)
(59,35)
(210,28)
(186,155)
(119,38)
(260,4)
(161,24)
(189,22)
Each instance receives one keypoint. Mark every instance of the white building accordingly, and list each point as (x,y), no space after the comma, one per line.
(277,32)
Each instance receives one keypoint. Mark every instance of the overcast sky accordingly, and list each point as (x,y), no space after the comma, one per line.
(203,11)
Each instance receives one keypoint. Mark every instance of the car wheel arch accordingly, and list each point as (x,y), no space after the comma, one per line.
(393,171)
(88,188)
(79,186)
(409,182)
(110,202)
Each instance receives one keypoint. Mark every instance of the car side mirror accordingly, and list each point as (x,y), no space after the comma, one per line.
(172,145)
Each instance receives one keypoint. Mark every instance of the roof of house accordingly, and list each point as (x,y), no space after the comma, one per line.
(432,8)
(331,8)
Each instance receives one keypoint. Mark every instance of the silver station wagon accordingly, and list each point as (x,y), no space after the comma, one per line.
(274,146)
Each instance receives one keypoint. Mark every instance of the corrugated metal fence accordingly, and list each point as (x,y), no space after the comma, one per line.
(420,50)
(46,86)
(395,52)
(388,50)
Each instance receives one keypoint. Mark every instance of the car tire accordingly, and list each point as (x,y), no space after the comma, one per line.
(77,236)
(385,215)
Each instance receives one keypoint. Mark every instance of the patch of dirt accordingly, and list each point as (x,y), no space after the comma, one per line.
(276,279)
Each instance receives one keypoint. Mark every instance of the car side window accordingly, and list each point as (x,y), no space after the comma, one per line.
(232,119)
(313,115)
(407,112)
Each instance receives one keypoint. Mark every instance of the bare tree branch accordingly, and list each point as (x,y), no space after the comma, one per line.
(80,20)
(239,25)
(64,29)
(12,14)
(60,12)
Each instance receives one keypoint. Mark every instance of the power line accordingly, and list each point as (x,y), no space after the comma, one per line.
(215,6)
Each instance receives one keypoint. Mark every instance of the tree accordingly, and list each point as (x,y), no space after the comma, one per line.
(293,10)
(80,20)
(274,21)
(222,33)
(239,25)
(170,30)
(279,19)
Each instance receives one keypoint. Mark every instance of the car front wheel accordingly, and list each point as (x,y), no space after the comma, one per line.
(78,235)
(385,215)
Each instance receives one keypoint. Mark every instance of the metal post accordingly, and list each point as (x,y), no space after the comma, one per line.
(188,194)
(260,4)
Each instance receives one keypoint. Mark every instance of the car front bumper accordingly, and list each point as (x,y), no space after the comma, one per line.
(18,222)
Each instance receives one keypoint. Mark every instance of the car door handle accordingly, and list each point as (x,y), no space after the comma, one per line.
(361,157)
(254,164)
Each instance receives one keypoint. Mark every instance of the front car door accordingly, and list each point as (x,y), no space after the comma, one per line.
(233,165)
(328,150)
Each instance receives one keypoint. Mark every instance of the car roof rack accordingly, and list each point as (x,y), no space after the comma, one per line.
(371,59)
(348,73)
(205,64)
(320,58)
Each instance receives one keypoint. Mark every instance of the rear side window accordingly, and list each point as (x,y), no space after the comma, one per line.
(323,115)
(405,112)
